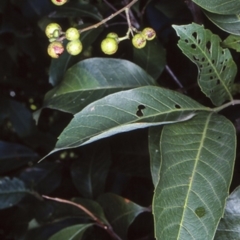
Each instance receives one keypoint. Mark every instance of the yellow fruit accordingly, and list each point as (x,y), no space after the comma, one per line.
(59,2)
(72,34)
(139,41)
(74,47)
(55,49)
(52,29)
(149,33)
(109,45)
(112,35)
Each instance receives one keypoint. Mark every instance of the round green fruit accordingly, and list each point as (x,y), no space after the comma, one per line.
(109,45)
(74,47)
(72,34)
(139,41)
(112,35)
(55,49)
(52,29)
(149,33)
(59,2)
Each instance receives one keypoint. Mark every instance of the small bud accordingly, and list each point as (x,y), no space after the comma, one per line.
(149,33)
(55,49)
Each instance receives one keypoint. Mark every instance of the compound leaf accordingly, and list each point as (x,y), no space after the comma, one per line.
(217,69)
(196,171)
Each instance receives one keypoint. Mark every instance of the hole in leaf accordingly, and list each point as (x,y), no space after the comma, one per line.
(194,34)
(193,46)
(210,70)
(199,41)
(213,61)
(211,77)
(218,82)
(195,58)
(203,59)
(139,112)
(224,67)
(200,211)
(186,40)
(177,106)
(208,45)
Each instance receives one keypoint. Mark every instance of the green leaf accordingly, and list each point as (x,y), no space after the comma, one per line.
(11,192)
(77,10)
(74,232)
(228,23)
(152,58)
(229,226)
(92,79)
(59,66)
(220,6)
(13,156)
(89,173)
(120,212)
(93,207)
(125,111)
(154,152)
(196,171)
(217,69)
(232,42)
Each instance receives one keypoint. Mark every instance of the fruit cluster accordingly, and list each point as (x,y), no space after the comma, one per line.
(56,48)
(110,44)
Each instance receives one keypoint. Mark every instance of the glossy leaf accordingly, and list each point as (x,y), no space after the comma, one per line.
(71,233)
(89,173)
(125,111)
(13,156)
(152,58)
(196,171)
(154,135)
(229,226)
(93,207)
(59,66)
(216,67)
(228,23)
(233,42)
(220,6)
(92,79)
(11,192)
(120,212)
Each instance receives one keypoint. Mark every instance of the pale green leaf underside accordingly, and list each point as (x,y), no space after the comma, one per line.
(71,233)
(232,42)
(220,6)
(92,79)
(217,69)
(229,226)
(125,111)
(228,23)
(154,134)
(196,170)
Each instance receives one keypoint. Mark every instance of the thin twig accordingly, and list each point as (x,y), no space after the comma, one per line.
(168,69)
(108,228)
(232,103)
(113,8)
(108,18)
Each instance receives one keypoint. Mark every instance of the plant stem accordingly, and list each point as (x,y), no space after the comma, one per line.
(108,18)
(232,103)
(113,8)
(168,69)
(108,228)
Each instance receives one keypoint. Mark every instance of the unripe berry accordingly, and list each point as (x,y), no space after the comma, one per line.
(149,33)
(74,47)
(55,49)
(51,29)
(109,45)
(72,34)
(139,41)
(112,35)
(59,2)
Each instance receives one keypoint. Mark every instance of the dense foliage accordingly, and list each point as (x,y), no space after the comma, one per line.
(139,144)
